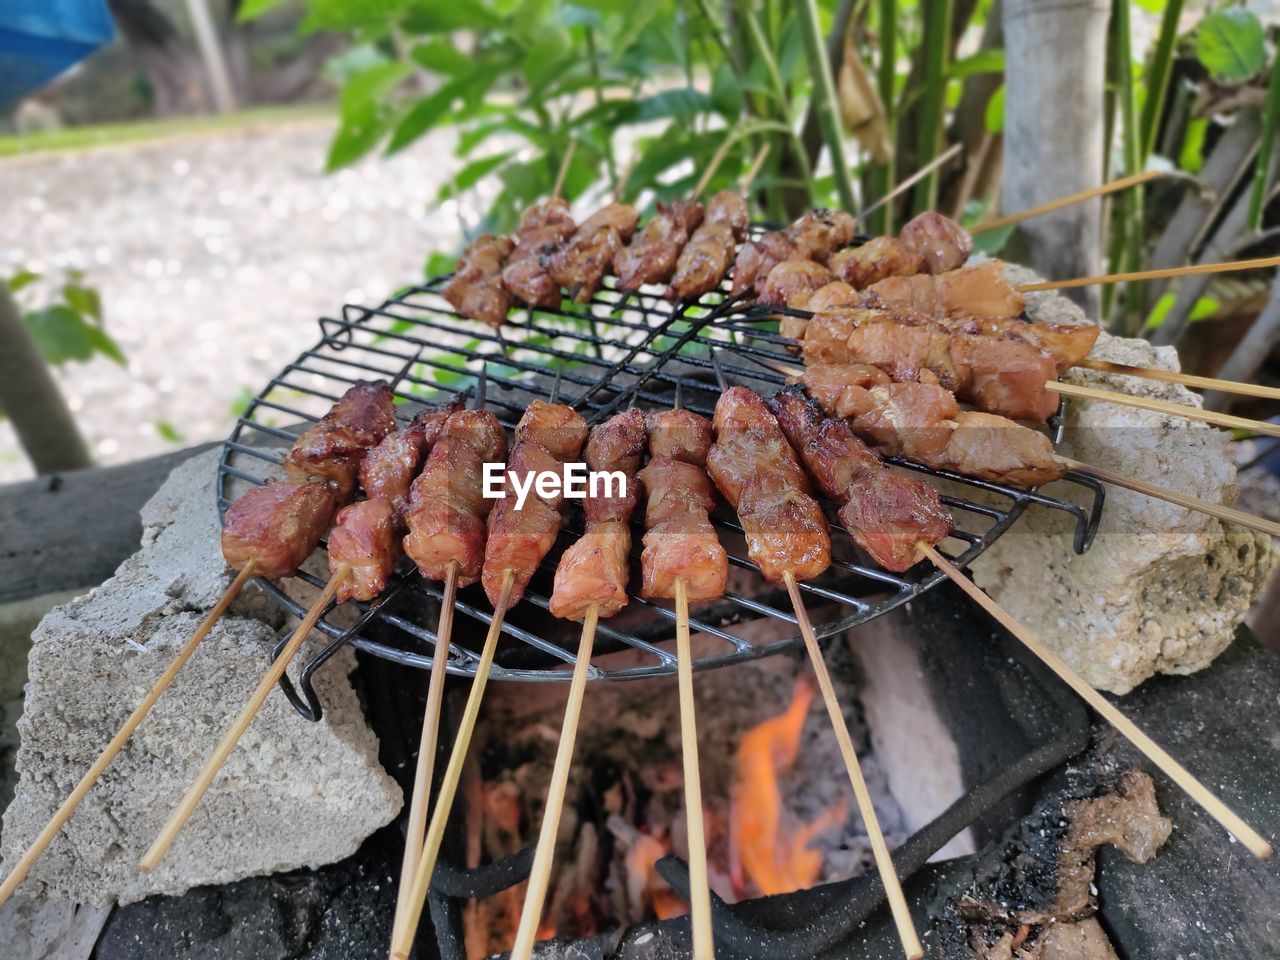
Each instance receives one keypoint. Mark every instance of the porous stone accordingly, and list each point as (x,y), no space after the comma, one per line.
(292,794)
(1162,588)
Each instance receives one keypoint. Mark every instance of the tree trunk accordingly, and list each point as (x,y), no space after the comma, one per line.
(172,67)
(1055,72)
(979,175)
(32,401)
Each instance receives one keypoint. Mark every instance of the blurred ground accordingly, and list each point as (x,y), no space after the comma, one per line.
(214,254)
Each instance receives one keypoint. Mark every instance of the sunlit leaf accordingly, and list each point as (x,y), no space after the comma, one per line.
(442,56)
(471,174)
(438,264)
(365,116)
(168,432)
(1230,45)
(254,8)
(63,335)
(1191,156)
(984,61)
(995,112)
(83,299)
(23,278)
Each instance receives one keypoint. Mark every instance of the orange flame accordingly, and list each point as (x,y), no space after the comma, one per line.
(776,859)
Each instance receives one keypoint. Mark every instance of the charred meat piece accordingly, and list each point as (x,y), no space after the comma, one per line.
(594,569)
(757,472)
(875,260)
(756,258)
(815,236)
(388,470)
(679,542)
(884,512)
(651,256)
(791,280)
(834,296)
(941,242)
(519,539)
(332,448)
(447,506)
(581,263)
(365,539)
(476,290)
(277,525)
(543,228)
(705,258)
(820,233)
(980,291)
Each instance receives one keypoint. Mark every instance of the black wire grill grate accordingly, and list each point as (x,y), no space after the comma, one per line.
(615,350)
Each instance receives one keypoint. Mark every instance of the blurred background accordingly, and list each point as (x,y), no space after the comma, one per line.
(205,178)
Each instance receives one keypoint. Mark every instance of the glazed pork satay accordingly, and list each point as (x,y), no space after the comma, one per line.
(547,436)
(332,449)
(593,571)
(877,259)
(447,507)
(388,470)
(544,228)
(815,236)
(886,513)
(793,281)
(756,471)
(652,254)
(476,289)
(705,259)
(582,262)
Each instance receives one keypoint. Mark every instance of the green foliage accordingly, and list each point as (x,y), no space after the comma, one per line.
(64,318)
(1230,45)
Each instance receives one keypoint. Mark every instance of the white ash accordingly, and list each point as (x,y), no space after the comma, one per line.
(292,794)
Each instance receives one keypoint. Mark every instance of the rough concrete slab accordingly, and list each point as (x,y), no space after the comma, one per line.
(293,793)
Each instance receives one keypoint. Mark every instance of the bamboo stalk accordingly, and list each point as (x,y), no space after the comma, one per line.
(912,180)
(824,99)
(935,54)
(540,876)
(1186,379)
(1124,182)
(699,888)
(1161,274)
(94,773)
(884,859)
(1252,840)
(1164,406)
(191,799)
(416,828)
(406,923)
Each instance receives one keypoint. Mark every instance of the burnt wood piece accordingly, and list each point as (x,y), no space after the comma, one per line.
(70,530)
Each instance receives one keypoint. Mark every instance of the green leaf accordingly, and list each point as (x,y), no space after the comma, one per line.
(348,15)
(1203,309)
(254,8)
(984,61)
(995,112)
(726,91)
(23,278)
(62,335)
(365,117)
(1191,156)
(682,105)
(426,113)
(442,56)
(991,242)
(438,264)
(84,300)
(104,345)
(1230,45)
(471,174)
(168,432)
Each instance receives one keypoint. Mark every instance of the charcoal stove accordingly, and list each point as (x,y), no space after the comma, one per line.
(615,350)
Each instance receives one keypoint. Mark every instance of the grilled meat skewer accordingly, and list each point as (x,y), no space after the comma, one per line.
(652,254)
(815,236)
(593,571)
(277,525)
(476,289)
(705,258)
(333,448)
(581,263)
(885,513)
(544,227)
(547,436)
(757,472)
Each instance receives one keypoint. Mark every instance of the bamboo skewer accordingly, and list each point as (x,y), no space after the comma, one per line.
(912,180)
(1115,185)
(191,799)
(884,859)
(1186,379)
(1222,512)
(1165,406)
(540,876)
(1195,269)
(406,922)
(564,168)
(717,158)
(699,888)
(1252,840)
(754,170)
(94,773)
(416,828)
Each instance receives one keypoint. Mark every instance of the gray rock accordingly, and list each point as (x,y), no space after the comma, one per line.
(292,794)
(1162,589)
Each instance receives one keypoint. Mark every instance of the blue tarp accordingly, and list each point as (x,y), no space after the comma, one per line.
(41,38)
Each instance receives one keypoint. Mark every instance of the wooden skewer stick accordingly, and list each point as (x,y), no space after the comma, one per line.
(64,812)
(417,825)
(406,923)
(717,158)
(911,181)
(540,876)
(1222,512)
(1186,379)
(191,799)
(699,888)
(884,860)
(1198,792)
(1194,269)
(564,168)
(1165,406)
(1115,185)
(754,170)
